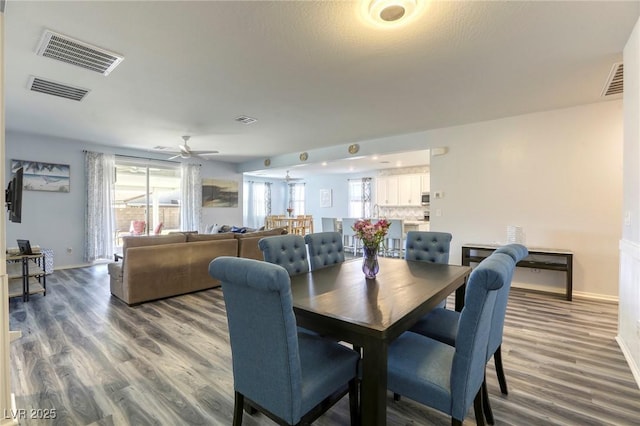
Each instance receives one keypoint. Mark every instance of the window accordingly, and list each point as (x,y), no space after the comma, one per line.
(256,203)
(360,197)
(296,198)
(147,197)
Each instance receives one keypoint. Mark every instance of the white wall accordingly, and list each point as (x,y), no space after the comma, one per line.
(557,174)
(629,305)
(56,220)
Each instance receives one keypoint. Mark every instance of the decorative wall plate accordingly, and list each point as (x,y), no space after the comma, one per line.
(267,162)
(354,148)
(304,156)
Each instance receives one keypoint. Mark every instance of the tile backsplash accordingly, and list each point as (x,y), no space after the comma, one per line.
(402,212)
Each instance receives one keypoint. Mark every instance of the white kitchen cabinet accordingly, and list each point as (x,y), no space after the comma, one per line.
(387,190)
(425,182)
(409,190)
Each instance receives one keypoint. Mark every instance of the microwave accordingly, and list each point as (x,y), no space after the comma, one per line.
(425,198)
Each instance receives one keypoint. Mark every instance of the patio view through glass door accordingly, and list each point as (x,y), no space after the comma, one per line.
(147,198)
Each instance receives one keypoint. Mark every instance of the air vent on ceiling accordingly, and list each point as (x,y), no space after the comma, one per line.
(614,85)
(245,120)
(75,52)
(37,84)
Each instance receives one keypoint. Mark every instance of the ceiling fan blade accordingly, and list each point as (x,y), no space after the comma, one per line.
(205,152)
(184,148)
(175,156)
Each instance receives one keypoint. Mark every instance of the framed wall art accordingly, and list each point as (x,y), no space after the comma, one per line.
(219,193)
(43,176)
(325,198)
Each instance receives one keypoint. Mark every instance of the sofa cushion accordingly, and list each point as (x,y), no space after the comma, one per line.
(151,240)
(248,243)
(208,237)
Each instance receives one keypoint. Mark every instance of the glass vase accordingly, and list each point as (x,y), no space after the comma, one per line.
(370,265)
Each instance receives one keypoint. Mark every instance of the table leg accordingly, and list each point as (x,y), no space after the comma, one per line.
(460,292)
(373,391)
(569,293)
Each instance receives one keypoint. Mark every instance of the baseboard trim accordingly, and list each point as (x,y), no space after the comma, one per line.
(82,265)
(595,296)
(635,369)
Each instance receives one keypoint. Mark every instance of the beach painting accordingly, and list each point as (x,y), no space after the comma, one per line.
(43,176)
(219,193)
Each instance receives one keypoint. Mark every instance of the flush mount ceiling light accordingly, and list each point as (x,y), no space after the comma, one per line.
(391,11)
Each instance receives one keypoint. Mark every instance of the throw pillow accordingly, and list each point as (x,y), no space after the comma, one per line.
(212,229)
(238,230)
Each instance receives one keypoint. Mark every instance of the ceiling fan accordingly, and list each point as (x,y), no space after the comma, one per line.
(288,178)
(187,152)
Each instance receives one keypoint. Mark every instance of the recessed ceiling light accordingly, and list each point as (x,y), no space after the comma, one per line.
(324,163)
(391,11)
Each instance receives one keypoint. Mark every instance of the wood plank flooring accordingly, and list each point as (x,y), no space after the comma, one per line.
(99,362)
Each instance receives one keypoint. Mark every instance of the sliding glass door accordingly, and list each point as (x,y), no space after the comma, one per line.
(147,198)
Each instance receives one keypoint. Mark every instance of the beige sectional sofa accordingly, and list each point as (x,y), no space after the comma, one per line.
(159,266)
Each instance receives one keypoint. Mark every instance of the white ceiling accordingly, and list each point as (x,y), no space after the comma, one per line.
(314,73)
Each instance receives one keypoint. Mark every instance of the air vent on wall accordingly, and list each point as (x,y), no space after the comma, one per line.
(75,52)
(245,120)
(614,85)
(37,84)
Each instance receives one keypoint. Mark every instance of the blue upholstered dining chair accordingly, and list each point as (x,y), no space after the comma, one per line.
(287,375)
(428,246)
(325,249)
(288,251)
(442,324)
(449,378)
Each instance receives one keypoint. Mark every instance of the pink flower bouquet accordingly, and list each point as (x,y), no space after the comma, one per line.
(370,233)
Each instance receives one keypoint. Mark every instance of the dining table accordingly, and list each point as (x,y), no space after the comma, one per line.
(339,302)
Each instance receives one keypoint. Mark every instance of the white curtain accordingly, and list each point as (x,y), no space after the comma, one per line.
(257,203)
(191,198)
(100,218)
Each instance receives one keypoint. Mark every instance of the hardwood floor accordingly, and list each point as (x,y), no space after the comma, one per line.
(99,362)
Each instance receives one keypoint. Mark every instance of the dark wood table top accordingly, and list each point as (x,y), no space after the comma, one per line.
(402,292)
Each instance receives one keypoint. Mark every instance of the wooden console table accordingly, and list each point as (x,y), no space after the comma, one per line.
(555,260)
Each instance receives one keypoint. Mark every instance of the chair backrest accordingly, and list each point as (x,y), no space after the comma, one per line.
(325,249)
(474,327)
(158,229)
(288,251)
(347,223)
(396,229)
(137,227)
(428,246)
(517,252)
(329,224)
(262,333)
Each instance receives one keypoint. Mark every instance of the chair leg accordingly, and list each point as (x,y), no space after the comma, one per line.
(237,409)
(477,408)
(250,409)
(486,405)
(396,397)
(354,404)
(455,422)
(502,380)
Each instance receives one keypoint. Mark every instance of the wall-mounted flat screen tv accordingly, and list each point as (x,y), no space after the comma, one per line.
(13,197)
